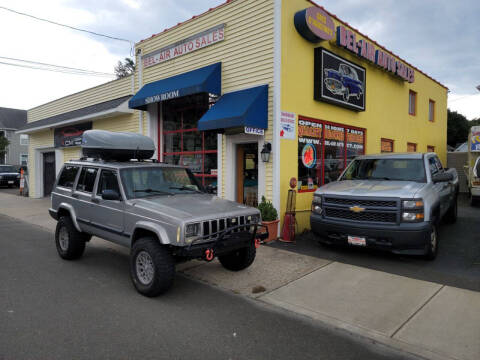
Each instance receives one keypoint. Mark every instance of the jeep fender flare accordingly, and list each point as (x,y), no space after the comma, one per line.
(154,228)
(69,208)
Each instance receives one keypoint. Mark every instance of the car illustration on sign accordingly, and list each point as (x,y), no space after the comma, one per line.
(344,82)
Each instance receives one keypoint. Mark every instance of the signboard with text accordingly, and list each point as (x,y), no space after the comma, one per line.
(186,46)
(70,135)
(287,125)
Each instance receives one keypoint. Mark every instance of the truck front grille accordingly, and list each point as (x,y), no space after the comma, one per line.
(361,209)
(361,202)
(373,216)
(211,227)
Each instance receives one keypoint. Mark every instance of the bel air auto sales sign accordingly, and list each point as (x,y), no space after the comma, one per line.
(185,46)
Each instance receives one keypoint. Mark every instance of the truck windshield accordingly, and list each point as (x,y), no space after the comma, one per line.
(7,169)
(154,181)
(386,169)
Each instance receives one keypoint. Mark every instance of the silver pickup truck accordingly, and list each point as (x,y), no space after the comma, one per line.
(392,202)
(157,210)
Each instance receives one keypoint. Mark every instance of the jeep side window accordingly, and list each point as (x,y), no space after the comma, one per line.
(108,181)
(433,165)
(87,179)
(67,177)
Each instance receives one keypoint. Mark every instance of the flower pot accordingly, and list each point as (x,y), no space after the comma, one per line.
(272,227)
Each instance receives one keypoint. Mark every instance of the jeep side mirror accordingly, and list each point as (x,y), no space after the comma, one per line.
(110,195)
(442,177)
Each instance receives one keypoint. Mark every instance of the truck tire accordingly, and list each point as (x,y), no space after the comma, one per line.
(152,267)
(69,241)
(451,215)
(432,246)
(239,259)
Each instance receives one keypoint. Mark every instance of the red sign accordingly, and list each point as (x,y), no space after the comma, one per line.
(314,24)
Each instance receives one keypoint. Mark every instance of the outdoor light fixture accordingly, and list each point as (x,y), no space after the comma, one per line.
(265,153)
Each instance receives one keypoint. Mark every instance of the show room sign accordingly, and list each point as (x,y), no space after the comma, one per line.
(185,46)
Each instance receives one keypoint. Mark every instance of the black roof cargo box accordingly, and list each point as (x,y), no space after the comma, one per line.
(118,146)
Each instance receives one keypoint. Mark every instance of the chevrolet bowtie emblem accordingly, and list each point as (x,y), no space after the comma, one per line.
(357,209)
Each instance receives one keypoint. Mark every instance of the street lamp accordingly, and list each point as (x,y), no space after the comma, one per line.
(265,153)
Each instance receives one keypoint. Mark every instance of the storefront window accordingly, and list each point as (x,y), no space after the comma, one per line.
(324,150)
(183,144)
(386,146)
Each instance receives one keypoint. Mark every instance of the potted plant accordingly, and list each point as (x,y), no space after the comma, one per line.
(269,218)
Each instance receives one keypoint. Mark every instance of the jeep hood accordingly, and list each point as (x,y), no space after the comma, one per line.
(382,188)
(198,206)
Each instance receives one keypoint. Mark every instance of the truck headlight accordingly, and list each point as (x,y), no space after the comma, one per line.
(317,204)
(412,216)
(192,229)
(412,204)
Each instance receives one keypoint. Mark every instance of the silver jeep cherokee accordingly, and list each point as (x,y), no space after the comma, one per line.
(157,210)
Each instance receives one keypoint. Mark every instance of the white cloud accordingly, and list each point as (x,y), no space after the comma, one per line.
(466,104)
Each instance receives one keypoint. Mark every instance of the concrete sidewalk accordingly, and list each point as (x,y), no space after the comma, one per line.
(423,318)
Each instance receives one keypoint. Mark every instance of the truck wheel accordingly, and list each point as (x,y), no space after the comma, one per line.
(69,241)
(152,267)
(432,246)
(239,259)
(451,215)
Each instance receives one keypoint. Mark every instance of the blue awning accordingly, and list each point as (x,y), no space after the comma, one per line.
(244,108)
(207,79)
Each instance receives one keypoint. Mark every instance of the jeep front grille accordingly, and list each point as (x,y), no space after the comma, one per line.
(211,227)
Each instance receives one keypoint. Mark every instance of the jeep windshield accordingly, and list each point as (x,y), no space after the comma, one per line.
(157,181)
(386,169)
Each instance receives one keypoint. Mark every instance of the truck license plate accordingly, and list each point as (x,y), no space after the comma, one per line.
(357,241)
(10,182)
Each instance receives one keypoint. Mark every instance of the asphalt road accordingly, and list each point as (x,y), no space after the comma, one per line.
(87,309)
(457,263)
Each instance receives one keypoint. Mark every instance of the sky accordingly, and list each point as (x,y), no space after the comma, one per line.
(440,37)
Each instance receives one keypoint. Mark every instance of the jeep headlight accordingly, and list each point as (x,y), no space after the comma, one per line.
(253,219)
(412,210)
(192,230)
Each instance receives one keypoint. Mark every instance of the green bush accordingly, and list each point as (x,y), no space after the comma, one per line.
(268,212)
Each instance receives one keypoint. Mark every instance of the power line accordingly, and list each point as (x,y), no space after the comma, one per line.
(93,72)
(57,70)
(68,26)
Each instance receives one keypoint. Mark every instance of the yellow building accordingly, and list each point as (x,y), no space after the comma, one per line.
(252,79)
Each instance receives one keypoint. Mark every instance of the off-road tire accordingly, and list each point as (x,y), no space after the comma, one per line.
(239,259)
(69,241)
(162,264)
(432,246)
(451,215)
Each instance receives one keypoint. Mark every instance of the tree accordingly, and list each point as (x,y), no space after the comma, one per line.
(124,69)
(3,145)
(457,128)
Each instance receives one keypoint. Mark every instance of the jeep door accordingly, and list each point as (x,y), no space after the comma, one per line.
(108,215)
(82,196)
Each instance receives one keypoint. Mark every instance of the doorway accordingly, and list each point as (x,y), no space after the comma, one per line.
(247,174)
(48,172)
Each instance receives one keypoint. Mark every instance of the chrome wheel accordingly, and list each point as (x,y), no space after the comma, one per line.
(144,268)
(63,238)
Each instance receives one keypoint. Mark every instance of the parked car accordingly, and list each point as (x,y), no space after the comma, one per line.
(9,176)
(344,81)
(157,210)
(392,202)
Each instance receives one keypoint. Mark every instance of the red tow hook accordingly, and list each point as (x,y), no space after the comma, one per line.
(257,243)
(209,255)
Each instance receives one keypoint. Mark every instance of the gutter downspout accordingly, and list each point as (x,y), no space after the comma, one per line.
(277,98)
(140,70)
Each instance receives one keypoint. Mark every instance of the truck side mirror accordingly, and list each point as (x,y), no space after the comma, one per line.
(442,177)
(110,195)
